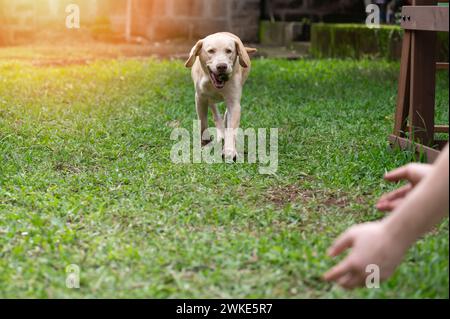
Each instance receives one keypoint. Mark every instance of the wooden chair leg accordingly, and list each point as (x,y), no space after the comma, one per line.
(422,87)
(401,114)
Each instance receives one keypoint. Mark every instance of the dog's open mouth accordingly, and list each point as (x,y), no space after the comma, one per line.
(218,80)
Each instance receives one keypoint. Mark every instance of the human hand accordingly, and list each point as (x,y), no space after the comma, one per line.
(413,173)
(370,243)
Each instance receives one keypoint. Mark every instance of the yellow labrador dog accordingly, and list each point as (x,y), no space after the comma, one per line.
(219,74)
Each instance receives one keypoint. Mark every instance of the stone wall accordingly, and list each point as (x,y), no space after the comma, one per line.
(192,19)
(163,19)
(158,20)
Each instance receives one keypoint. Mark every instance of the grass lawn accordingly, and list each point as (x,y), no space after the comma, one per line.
(86,179)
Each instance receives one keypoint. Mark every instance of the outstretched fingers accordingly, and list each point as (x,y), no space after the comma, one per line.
(390,201)
(397,174)
(343,242)
(339,271)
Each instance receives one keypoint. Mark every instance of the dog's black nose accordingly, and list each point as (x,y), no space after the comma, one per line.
(222,67)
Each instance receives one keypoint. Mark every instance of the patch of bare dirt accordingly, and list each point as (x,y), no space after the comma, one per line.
(283,195)
(334,201)
(67,168)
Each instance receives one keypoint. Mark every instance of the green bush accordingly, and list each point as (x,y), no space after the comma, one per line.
(358,41)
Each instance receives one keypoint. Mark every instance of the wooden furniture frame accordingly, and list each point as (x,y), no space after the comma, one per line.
(414,119)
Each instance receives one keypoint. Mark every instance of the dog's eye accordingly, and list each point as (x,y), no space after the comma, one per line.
(211,51)
(228,51)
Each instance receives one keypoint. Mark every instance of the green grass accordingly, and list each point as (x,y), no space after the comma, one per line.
(86,178)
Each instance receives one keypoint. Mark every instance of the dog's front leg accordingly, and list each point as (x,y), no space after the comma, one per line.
(219,123)
(201,105)
(233,120)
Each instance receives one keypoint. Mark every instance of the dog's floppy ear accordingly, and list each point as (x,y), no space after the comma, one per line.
(251,50)
(244,58)
(194,53)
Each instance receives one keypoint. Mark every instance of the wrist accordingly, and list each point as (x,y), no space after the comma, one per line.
(397,233)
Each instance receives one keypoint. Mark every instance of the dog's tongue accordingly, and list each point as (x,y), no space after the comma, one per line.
(219,80)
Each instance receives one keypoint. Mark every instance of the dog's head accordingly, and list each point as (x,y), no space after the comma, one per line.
(218,55)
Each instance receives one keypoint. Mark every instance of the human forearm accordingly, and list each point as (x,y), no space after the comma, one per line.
(424,207)
(385,243)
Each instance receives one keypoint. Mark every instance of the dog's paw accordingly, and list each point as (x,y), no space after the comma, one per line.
(229,155)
